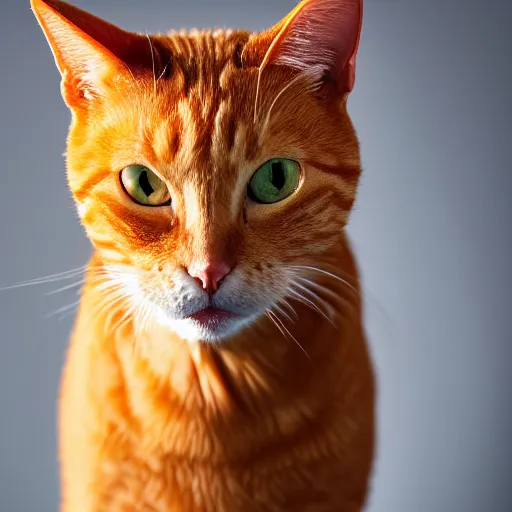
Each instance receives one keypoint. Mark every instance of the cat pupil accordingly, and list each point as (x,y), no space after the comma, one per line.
(144,183)
(277,177)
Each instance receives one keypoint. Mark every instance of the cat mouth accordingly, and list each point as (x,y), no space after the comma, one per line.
(212,318)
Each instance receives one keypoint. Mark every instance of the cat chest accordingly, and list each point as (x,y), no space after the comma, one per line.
(171,485)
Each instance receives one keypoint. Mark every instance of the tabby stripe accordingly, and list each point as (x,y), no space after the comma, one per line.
(351,172)
(132,225)
(343,201)
(229,126)
(85,188)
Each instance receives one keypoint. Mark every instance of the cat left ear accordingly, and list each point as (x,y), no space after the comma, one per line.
(319,38)
(88,51)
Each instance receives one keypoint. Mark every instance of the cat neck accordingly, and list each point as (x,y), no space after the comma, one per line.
(212,393)
(263,377)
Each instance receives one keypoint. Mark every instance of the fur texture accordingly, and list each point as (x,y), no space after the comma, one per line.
(275,411)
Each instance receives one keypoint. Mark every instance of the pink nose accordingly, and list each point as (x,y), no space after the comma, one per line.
(211,275)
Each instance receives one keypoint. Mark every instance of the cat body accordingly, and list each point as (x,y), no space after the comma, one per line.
(252,427)
(218,361)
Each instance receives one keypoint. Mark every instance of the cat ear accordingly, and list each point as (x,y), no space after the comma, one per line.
(87,50)
(319,38)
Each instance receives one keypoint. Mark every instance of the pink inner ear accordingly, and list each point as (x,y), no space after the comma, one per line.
(77,36)
(112,38)
(321,38)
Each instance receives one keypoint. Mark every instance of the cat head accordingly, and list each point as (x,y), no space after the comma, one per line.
(211,170)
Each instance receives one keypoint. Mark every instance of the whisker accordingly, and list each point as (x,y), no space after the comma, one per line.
(284,330)
(310,292)
(61,276)
(279,94)
(316,285)
(116,294)
(309,303)
(290,307)
(261,67)
(67,313)
(334,276)
(63,309)
(284,313)
(109,301)
(256,98)
(164,70)
(127,315)
(153,62)
(371,301)
(145,317)
(130,71)
(68,287)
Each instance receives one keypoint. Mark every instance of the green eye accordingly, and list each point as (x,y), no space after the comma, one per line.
(144,186)
(274,181)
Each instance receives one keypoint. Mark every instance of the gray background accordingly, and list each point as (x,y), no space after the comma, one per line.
(432,230)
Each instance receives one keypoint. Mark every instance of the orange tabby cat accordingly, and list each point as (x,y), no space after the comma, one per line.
(218,362)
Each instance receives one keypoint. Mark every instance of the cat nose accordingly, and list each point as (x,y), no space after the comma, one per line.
(210,275)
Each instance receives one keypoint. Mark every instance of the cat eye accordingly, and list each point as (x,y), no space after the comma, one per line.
(144,186)
(274,181)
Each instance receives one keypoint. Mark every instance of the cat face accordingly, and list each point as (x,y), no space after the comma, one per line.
(210,170)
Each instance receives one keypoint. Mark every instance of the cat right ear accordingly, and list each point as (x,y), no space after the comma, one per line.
(89,52)
(319,39)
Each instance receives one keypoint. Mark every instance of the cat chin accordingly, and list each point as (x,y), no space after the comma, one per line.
(193,332)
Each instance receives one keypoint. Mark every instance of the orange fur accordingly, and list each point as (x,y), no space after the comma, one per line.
(279,414)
